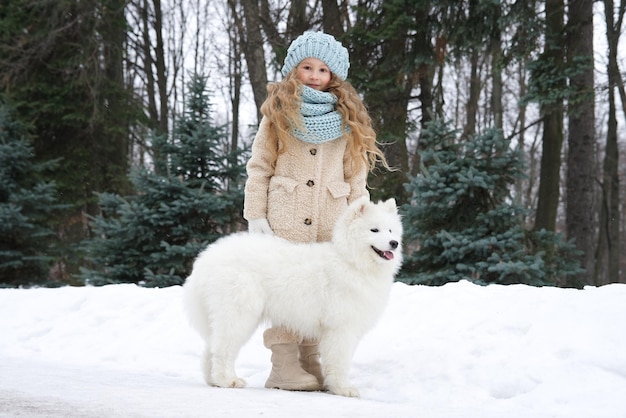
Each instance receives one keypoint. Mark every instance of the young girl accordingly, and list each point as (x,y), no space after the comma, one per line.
(310,159)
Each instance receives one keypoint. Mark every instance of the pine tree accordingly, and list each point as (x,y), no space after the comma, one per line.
(465,222)
(26,204)
(193,196)
(62,64)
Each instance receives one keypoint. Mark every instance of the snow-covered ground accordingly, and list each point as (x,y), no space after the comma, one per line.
(459,350)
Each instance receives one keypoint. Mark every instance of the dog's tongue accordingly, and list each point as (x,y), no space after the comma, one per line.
(388,255)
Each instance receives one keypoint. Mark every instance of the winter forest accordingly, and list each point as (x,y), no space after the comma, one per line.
(125,126)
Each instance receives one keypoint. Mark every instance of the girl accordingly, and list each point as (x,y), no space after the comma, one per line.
(310,159)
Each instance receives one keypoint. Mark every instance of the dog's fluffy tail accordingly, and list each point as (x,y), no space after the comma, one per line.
(194,308)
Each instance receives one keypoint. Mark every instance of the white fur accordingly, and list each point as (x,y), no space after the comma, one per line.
(333,291)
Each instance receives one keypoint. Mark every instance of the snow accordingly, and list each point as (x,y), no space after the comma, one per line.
(459,350)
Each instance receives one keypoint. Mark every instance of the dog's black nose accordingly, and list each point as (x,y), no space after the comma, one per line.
(393,244)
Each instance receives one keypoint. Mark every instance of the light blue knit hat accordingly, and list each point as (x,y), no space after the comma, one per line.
(318,45)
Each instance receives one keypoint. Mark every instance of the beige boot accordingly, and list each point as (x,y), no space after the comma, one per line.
(286,371)
(310,359)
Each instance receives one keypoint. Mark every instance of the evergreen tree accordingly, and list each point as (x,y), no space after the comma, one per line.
(465,222)
(193,196)
(62,64)
(26,204)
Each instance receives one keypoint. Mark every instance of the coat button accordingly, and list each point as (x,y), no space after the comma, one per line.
(308,221)
(310,183)
(313,151)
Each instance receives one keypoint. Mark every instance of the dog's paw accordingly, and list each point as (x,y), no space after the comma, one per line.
(348,391)
(234,382)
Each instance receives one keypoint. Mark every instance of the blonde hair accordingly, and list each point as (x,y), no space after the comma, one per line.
(282,109)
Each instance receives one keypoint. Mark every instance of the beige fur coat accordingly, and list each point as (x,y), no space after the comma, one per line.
(303,196)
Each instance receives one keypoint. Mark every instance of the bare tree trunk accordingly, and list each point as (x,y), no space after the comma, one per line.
(331,20)
(152,71)
(251,42)
(388,103)
(495,48)
(521,142)
(425,72)
(115,104)
(161,71)
(471,108)
(608,253)
(552,113)
(297,21)
(580,208)
(549,179)
(235,77)
(150,83)
(622,94)
(622,173)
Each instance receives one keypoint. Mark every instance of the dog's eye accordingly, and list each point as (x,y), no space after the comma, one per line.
(374,229)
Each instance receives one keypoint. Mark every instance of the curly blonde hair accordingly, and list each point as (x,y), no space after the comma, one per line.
(282,109)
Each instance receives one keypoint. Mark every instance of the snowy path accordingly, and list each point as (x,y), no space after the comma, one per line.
(455,351)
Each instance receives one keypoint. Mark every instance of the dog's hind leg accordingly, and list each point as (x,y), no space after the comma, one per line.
(207,360)
(337,349)
(228,338)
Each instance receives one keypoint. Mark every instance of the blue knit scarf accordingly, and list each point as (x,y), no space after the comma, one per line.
(321,120)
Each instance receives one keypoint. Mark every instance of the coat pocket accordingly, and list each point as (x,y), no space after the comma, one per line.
(282,204)
(339,189)
(284,184)
(335,202)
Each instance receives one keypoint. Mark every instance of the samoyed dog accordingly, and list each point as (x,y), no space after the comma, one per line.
(333,292)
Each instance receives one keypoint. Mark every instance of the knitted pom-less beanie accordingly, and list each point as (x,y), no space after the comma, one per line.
(318,45)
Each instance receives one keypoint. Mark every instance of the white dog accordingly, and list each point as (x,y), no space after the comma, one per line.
(333,291)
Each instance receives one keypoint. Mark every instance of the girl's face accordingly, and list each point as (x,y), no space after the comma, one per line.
(314,73)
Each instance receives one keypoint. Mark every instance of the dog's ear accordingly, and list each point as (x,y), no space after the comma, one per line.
(359,206)
(390,205)
(363,203)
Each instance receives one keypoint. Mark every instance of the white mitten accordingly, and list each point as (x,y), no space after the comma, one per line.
(259,226)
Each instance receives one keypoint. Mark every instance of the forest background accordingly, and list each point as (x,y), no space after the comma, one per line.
(125,125)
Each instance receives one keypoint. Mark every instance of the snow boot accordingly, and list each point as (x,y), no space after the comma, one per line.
(310,359)
(286,371)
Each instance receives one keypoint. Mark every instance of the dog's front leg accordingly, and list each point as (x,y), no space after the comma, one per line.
(336,350)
